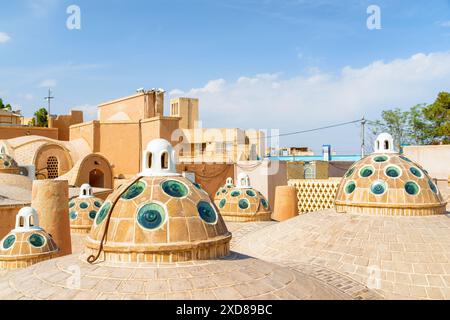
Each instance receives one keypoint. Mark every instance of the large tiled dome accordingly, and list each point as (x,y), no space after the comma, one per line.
(388,183)
(8,164)
(159,216)
(83,210)
(27,244)
(242,203)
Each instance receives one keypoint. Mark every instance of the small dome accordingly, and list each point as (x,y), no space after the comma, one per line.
(242,203)
(8,164)
(388,184)
(27,244)
(159,216)
(83,210)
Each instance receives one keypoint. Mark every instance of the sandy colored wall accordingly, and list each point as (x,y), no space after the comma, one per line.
(337,169)
(133,108)
(265,177)
(64,160)
(14,132)
(63,123)
(210,176)
(8,215)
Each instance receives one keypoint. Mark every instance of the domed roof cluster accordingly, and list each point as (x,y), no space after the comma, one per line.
(159,216)
(27,244)
(8,164)
(388,183)
(83,210)
(242,202)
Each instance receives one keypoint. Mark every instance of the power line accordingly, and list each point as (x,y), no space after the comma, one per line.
(315,129)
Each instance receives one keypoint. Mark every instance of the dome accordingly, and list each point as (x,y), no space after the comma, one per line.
(82,210)
(8,164)
(159,216)
(242,203)
(388,183)
(27,244)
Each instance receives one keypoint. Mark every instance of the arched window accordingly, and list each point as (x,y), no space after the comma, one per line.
(378,145)
(21,222)
(52,167)
(164,160)
(149,160)
(386,145)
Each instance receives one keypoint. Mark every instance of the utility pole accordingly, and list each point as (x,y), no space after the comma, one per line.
(363,137)
(49,99)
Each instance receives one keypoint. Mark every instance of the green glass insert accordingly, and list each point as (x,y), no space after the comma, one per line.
(92,214)
(380,159)
(378,188)
(235,194)
(71,204)
(244,204)
(224,191)
(222,203)
(151,216)
(9,241)
(393,172)
(36,240)
(432,186)
(412,188)
(98,204)
(415,171)
(84,205)
(367,172)
(198,186)
(206,212)
(264,203)
(251,193)
(134,191)
(350,187)
(73,215)
(104,210)
(175,189)
(405,158)
(6,164)
(350,172)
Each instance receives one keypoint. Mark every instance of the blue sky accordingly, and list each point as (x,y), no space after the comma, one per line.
(287,64)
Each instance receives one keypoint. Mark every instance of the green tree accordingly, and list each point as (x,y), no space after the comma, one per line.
(396,122)
(437,115)
(41,117)
(3,106)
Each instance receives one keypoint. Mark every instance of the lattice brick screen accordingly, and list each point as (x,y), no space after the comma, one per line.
(315,194)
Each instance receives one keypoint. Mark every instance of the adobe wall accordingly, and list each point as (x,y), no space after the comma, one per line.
(209,175)
(18,131)
(133,108)
(434,159)
(63,123)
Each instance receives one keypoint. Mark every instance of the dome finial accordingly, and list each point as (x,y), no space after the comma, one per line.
(384,143)
(27,219)
(158,159)
(86,191)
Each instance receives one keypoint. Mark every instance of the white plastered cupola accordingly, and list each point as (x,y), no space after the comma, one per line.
(384,144)
(158,160)
(26,220)
(86,191)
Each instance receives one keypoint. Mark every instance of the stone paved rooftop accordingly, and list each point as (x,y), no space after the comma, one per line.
(399,257)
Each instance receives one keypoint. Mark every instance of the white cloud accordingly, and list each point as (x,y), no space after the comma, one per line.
(4,37)
(319,98)
(445,24)
(48,83)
